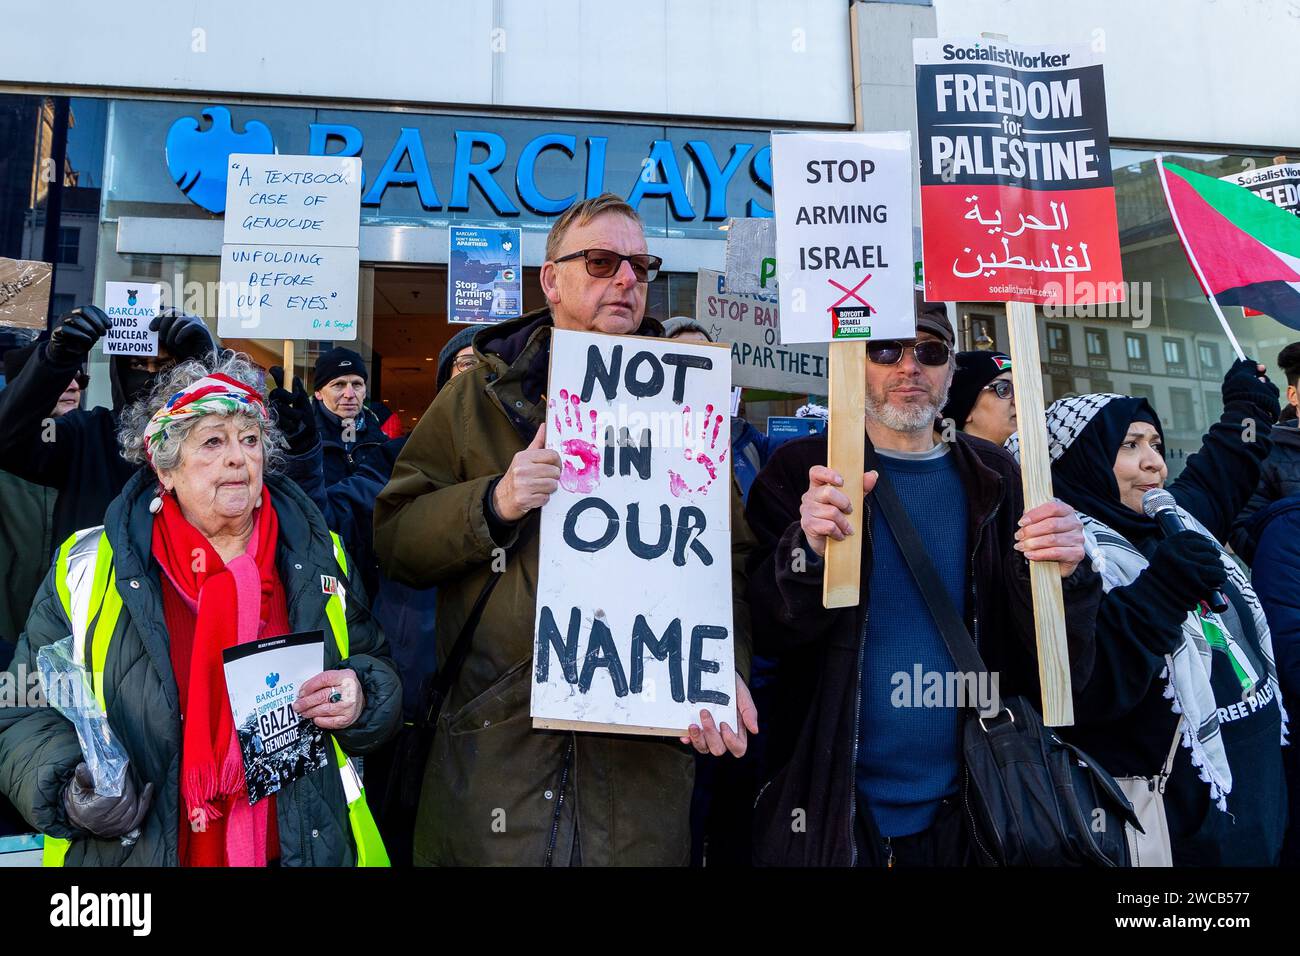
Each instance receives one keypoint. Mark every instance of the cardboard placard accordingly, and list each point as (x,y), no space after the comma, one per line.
(844,235)
(634,627)
(750,324)
(24,293)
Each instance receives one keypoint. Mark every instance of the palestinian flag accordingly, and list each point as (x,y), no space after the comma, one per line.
(1244,250)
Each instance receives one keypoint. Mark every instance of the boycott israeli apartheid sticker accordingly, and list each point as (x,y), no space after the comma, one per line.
(131,306)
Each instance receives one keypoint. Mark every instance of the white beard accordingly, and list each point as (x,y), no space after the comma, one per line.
(914,416)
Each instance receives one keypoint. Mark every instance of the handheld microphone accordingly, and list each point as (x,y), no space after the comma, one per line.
(1160,505)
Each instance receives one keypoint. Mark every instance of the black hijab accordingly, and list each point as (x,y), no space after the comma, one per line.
(1083,476)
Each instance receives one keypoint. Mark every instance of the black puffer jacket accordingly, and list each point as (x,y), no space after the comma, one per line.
(818,649)
(38,747)
(1279,477)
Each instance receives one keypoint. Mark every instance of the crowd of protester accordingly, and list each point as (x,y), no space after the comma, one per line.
(205,507)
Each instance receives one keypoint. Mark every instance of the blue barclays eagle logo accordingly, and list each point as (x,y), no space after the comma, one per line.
(272,679)
(131,295)
(197,159)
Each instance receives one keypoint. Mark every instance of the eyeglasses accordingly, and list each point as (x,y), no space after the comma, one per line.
(603,263)
(1001,387)
(466,363)
(890,352)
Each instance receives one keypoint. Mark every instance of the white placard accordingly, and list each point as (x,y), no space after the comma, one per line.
(288,292)
(634,615)
(750,324)
(293,200)
(131,306)
(843,206)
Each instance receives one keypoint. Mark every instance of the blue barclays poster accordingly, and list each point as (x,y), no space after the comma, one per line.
(484,275)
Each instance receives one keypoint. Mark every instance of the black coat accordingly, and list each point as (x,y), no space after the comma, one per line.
(815,725)
(342,459)
(76,453)
(1279,477)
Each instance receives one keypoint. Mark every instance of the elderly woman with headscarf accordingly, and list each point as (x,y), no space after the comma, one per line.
(1177,671)
(202,551)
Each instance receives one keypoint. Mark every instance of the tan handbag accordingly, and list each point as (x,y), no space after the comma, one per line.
(1147,794)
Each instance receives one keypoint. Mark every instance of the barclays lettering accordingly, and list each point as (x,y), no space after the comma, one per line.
(197,161)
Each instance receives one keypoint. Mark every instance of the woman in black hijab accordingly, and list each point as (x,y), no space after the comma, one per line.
(1174,665)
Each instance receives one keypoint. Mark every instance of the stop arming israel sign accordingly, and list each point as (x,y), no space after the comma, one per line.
(843,235)
(1017,202)
(634,613)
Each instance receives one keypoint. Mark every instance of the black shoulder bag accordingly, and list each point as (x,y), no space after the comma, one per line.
(1031,798)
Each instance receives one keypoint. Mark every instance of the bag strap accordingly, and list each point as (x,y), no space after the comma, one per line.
(1168,768)
(450,671)
(965,656)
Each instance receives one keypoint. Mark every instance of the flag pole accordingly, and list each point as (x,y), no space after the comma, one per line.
(1191,257)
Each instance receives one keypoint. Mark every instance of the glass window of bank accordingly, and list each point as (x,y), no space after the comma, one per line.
(1165,344)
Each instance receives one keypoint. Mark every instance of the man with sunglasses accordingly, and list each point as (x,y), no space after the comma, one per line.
(982,400)
(461,508)
(867,733)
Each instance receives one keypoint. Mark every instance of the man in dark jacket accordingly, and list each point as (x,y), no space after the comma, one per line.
(348,430)
(77,453)
(1279,476)
(1275,577)
(466,487)
(871,763)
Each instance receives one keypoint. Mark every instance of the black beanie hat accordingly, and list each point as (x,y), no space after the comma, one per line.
(337,361)
(448,354)
(974,371)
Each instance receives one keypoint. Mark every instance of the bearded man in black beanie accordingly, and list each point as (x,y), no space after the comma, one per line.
(981,401)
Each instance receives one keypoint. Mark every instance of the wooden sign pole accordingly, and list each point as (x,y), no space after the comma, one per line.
(845,438)
(1036,477)
(288,363)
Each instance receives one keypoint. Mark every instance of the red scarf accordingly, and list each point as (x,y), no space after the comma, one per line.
(232,604)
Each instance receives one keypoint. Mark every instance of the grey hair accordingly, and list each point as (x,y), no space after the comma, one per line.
(167,454)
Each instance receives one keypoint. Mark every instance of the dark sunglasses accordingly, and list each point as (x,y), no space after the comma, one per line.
(1002,388)
(82,380)
(603,263)
(890,352)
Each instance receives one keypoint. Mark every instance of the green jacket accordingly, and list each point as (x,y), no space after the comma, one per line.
(26,543)
(496,791)
(39,749)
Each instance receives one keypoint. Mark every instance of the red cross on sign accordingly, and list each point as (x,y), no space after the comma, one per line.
(851,294)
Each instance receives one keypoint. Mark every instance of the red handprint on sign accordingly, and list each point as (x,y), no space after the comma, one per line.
(700,451)
(583,476)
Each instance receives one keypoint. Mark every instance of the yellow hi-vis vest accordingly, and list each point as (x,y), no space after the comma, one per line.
(87,586)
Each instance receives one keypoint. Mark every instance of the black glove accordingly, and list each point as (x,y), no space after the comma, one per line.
(293,413)
(183,336)
(104,816)
(1184,571)
(1243,384)
(77,334)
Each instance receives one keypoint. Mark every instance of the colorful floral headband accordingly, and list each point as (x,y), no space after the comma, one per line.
(213,393)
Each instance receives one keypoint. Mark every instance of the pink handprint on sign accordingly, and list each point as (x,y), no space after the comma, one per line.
(700,453)
(583,476)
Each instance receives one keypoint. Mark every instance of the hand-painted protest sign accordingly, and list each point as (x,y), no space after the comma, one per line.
(484,275)
(293,200)
(751,255)
(24,293)
(634,613)
(131,306)
(843,235)
(1017,201)
(749,324)
(289,266)
(1278,184)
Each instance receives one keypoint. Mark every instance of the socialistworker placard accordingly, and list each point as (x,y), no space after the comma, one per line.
(1278,184)
(1017,200)
(634,615)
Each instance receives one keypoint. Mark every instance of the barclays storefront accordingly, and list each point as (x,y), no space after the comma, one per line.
(161,191)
